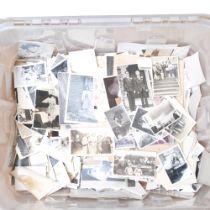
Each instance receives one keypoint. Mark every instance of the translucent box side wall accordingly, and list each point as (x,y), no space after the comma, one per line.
(100,36)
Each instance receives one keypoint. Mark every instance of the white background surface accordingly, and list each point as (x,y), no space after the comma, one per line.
(18,8)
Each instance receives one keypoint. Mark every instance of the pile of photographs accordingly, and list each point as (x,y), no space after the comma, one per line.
(119,124)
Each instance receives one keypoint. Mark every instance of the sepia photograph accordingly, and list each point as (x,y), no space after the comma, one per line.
(47,115)
(135,87)
(91,141)
(30,49)
(80,100)
(141,164)
(166,75)
(25,116)
(175,165)
(162,116)
(112,90)
(30,75)
(119,121)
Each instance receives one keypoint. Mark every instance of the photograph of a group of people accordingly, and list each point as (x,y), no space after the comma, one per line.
(165,67)
(86,142)
(134,87)
(134,165)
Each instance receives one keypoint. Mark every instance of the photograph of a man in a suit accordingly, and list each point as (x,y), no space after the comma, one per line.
(128,87)
(140,89)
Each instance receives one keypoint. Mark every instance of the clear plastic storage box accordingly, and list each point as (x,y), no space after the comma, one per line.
(102,33)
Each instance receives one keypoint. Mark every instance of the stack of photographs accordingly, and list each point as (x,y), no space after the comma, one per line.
(112,123)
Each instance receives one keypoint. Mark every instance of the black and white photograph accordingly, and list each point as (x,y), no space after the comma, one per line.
(31,49)
(91,141)
(30,75)
(175,165)
(110,64)
(112,90)
(141,164)
(97,168)
(119,121)
(62,88)
(47,115)
(126,142)
(181,128)
(97,173)
(135,87)
(25,116)
(166,75)
(139,123)
(60,67)
(80,100)
(162,116)
(28,146)
(144,139)
(59,58)
(57,147)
